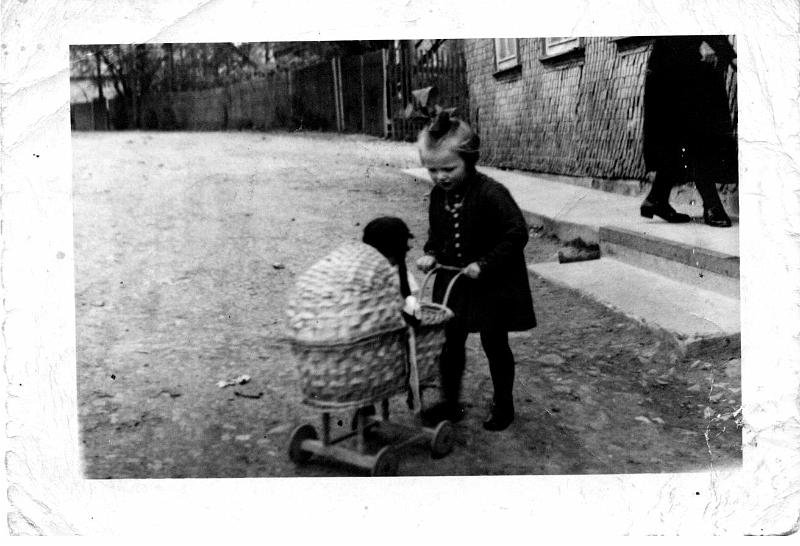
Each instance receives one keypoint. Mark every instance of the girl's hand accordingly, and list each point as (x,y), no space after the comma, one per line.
(473,270)
(412,307)
(426,263)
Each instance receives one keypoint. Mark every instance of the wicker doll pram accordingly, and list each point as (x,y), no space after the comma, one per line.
(353,348)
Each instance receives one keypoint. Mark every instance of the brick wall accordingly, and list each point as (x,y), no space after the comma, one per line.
(577,115)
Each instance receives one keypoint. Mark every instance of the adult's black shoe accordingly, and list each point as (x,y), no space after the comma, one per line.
(499,419)
(716,217)
(663,211)
(443,411)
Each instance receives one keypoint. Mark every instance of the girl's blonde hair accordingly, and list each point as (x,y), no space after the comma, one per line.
(450,132)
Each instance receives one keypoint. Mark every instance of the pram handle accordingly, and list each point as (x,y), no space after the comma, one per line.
(449,286)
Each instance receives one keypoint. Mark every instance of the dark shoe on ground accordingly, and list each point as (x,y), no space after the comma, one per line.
(663,211)
(578,250)
(443,411)
(499,419)
(716,217)
(569,255)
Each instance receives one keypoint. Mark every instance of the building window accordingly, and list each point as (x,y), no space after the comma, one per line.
(505,53)
(560,44)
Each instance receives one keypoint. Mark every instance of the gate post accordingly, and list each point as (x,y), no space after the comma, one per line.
(338,102)
(363,99)
(340,94)
(386,121)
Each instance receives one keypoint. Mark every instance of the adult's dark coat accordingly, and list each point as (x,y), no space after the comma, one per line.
(686,107)
(491,231)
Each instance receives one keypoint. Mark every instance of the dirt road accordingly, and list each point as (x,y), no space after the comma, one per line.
(185,247)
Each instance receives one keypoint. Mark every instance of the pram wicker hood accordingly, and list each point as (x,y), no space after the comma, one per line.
(350,294)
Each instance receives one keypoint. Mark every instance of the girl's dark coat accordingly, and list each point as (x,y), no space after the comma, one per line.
(493,232)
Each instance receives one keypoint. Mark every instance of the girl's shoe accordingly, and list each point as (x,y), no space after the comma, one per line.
(663,211)
(499,419)
(716,217)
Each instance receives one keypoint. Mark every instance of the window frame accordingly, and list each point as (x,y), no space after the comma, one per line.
(560,45)
(510,60)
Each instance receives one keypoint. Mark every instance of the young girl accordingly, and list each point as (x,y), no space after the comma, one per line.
(477,226)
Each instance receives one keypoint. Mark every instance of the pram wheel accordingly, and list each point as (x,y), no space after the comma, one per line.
(297,454)
(386,462)
(443,440)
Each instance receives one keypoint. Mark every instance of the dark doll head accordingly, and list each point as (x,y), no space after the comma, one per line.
(449,149)
(389,236)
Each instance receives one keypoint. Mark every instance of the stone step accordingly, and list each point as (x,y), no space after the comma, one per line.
(697,320)
(702,267)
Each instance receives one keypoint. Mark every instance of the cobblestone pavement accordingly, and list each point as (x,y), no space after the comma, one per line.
(185,247)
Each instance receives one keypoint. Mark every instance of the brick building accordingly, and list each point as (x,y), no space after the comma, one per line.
(569,106)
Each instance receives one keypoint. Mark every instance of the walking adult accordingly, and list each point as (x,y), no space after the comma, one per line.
(688,134)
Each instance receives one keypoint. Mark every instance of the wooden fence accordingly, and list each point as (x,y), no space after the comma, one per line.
(314,103)
(408,70)
(90,116)
(360,91)
(360,94)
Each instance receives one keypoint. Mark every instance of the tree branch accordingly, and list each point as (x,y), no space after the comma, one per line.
(241,54)
(116,78)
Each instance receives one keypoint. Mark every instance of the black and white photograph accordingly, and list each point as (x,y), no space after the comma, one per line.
(400,271)
(435,257)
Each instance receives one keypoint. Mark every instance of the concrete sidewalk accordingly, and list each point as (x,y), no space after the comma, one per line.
(680,279)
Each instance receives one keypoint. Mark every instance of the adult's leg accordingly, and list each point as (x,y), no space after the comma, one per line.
(657,201)
(712,148)
(708,192)
(704,180)
(661,183)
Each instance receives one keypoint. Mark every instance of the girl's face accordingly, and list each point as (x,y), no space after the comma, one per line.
(447,169)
